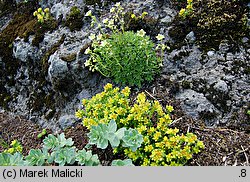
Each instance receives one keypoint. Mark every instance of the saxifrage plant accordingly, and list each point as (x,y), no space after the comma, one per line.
(129,58)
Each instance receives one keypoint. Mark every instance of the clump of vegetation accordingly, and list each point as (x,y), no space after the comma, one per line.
(161,144)
(103,134)
(56,150)
(127,57)
(184,12)
(40,135)
(42,15)
(212,21)
(248,112)
(74,19)
(15,147)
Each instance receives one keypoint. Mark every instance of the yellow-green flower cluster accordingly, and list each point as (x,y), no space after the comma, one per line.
(15,147)
(42,15)
(165,148)
(184,12)
(109,104)
(162,145)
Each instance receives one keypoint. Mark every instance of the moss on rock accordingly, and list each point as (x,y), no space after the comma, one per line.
(213,21)
(148,23)
(74,19)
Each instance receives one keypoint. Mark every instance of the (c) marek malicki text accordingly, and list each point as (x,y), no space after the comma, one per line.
(57,173)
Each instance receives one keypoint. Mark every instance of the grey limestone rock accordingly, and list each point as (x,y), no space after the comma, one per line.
(196,104)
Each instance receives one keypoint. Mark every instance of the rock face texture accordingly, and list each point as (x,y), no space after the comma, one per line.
(50,79)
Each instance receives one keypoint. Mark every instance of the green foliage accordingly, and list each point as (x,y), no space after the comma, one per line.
(74,19)
(36,157)
(125,162)
(132,139)
(86,158)
(61,151)
(55,150)
(161,145)
(40,135)
(127,57)
(7,159)
(3,143)
(102,134)
(42,15)
(248,112)
(54,143)
(64,155)
(15,147)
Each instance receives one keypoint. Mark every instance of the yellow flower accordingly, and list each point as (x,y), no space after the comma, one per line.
(159,144)
(46,10)
(169,108)
(151,130)
(182,11)
(157,135)
(40,10)
(190,7)
(191,138)
(133,16)
(200,144)
(171,131)
(132,155)
(126,91)
(35,13)
(144,14)
(79,114)
(146,162)
(120,111)
(142,128)
(115,150)
(148,148)
(11,150)
(157,155)
(130,117)
(95,113)
(189,1)
(40,18)
(146,139)
(113,116)
(108,87)
(19,148)
(141,98)
(14,142)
